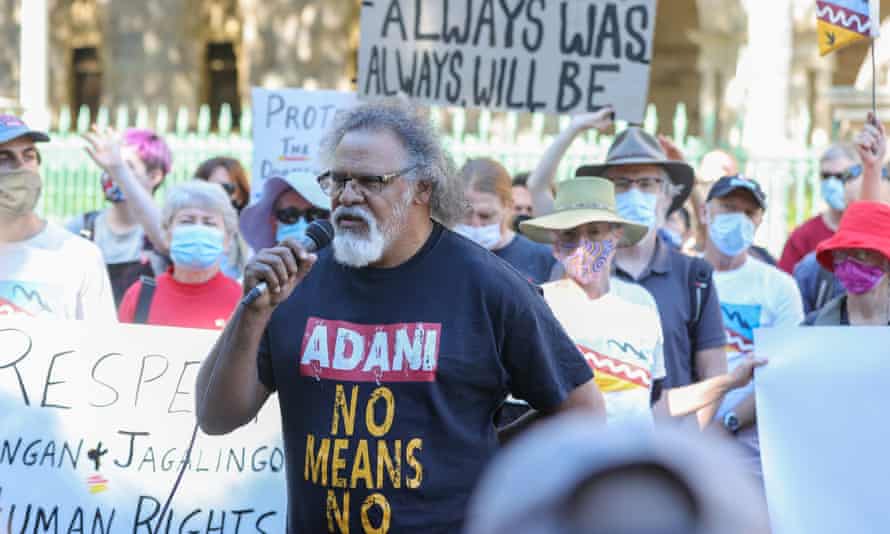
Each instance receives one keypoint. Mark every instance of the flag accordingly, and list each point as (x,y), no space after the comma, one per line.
(844,22)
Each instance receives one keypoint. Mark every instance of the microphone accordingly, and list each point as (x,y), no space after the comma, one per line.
(319,234)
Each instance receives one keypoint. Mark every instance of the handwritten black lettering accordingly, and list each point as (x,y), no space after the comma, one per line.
(101,383)
(636,22)
(453,33)
(394,14)
(608,32)
(486,19)
(5,335)
(131,448)
(177,391)
(419,34)
(139,382)
(48,382)
(533,44)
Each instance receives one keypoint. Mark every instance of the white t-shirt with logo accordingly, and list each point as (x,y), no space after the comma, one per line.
(755,295)
(55,274)
(620,336)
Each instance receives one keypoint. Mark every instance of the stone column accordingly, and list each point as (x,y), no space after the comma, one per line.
(34,66)
(768,68)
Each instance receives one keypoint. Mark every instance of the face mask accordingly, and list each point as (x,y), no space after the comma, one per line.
(19,191)
(731,233)
(296,230)
(636,206)
(195,246)
(833,193)
(484,236)
(856,277)
(585,262)
(112,192)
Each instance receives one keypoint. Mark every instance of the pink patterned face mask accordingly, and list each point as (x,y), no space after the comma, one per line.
(857,277)
(585,261)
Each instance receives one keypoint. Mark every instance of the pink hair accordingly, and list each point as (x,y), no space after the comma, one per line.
(151,148)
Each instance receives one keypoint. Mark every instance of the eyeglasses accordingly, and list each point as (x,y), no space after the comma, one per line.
(333,183)
(292,214)
(645,184)
(852,173)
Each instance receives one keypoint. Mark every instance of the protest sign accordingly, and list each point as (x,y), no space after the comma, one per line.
(288,126)
(96,419)
(519,55)
(823,441)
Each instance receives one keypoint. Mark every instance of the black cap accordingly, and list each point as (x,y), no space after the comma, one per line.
(728,184)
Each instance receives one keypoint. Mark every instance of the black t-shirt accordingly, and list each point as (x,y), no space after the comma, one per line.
(534,260)
(388,380)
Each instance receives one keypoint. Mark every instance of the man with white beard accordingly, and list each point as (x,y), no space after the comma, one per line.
(392,350)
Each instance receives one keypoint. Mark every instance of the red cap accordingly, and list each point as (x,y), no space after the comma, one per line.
(865,225)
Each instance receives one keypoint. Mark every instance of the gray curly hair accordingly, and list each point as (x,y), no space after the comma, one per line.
(422,142)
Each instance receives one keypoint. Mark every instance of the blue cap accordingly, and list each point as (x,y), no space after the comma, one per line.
(728,184)
(12,127)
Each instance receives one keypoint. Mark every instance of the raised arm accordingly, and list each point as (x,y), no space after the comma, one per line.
(104,147)
(871,144)
(542,178)
(229,390)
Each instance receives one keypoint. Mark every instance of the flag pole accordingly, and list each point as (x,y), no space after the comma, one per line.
(874,81)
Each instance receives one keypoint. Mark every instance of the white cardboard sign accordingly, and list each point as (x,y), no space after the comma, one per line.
(95,422)
(549,56)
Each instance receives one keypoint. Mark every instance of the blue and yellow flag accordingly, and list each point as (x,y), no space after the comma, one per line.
(844,22)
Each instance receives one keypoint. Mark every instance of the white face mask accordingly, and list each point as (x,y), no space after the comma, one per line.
(484,236)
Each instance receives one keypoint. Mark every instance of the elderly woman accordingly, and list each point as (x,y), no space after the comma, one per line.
(859,256)
(199,223)
(489,221)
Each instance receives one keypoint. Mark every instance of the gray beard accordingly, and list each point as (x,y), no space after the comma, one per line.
(358,250)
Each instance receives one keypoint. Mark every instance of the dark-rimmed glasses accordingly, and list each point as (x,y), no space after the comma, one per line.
(333,183)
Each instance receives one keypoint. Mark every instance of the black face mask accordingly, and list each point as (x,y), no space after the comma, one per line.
(518,219)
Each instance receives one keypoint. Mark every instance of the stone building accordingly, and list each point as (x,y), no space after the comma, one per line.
(744,68)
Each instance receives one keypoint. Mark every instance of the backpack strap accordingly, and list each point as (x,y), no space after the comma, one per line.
(824,288)
(143,303)
(89,225)
(699,282)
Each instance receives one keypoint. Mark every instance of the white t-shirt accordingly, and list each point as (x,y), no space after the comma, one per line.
(755,295)
(55,274)
(620,336)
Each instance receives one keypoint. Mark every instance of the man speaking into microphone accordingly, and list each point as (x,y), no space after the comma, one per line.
(392,349)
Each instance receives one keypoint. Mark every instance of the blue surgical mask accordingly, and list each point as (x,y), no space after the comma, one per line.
(833,193)
(731,233)
(195,246)
(296,230)
(637,207)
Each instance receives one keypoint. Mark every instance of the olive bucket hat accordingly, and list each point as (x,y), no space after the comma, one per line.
(581,201)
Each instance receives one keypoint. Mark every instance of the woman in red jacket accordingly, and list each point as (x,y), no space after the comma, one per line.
(199,223)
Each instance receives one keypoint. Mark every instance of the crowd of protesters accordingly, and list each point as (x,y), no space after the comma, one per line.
(630,292)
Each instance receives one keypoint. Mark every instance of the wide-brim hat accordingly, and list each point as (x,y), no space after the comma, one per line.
(578,202)
(865,225)
(634,146)
(254,222)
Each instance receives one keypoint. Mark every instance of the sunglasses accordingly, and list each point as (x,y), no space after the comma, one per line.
(853,173)
(229,188)
(291,215)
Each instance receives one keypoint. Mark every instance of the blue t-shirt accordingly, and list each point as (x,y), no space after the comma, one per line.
(388,380)
(534,260)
